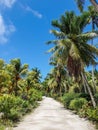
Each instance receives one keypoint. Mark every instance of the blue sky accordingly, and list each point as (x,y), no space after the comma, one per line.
(24,29)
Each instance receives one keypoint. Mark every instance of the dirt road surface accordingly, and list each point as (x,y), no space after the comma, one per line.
(50,115)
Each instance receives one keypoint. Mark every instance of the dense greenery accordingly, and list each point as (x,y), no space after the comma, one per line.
(19,91)
(69,81)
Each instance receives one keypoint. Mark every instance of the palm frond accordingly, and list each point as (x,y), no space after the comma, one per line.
(88,35)
(58,34)
(52,41)
(51,50)
(88,53)
(74,52)
(80,4)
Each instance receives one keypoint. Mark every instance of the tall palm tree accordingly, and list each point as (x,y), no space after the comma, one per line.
(72,44)
(59,69)
(94,24)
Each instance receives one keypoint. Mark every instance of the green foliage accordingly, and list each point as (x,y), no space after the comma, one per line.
(77,103)
(19,91)
(89,112)
(74,88)
(85,95)
(96,98)
(10,107)
(34,95)
(93,114)
(80,4)
(13,107)
(2,127)
(66,99)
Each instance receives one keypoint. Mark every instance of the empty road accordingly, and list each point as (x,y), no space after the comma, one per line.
(50,115)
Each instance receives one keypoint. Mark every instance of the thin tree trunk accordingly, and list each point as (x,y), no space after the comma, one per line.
(84,85)
(89,90)
(93,79)
(95,4)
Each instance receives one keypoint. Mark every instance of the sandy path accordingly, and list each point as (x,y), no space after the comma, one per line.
(51,115)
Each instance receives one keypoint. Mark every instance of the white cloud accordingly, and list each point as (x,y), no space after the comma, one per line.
(7,3)
(2,26)
(34,12)
(5,30)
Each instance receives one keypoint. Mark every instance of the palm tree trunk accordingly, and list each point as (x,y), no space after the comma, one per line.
(89,90)
(16,85)
(95,4)
(84,85)
(93,77)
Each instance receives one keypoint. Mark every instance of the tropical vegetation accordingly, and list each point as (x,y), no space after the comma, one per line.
(19,91)
(73,51)
(69,81)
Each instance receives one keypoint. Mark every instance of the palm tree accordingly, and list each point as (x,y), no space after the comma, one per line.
(81,3)
(94,22)
(55,81)
(33,78)
(4,77)
(18,71)
(36,75)
(58,71)
(72,43)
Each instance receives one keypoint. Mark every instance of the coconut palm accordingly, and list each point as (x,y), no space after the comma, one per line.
(94,23)
(17,72)
(72,45)
(36,74)
(33,79)
(81,3)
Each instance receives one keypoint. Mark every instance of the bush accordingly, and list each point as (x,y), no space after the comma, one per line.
(10,106)
(93,114)
(89,112)
(5,123)
(14,107)
(26,107)
(85,95)
(83,111)
(34,95)
(76,104)
(2,127)
(66,99)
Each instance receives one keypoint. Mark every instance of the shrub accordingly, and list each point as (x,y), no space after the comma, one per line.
(34,95)
(10,106)
(66,99)
(89,112)
(83,111)
(77,103)
(93,114)
(85,95)
(2,127)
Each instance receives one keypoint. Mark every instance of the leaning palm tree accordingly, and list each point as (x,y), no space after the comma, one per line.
(94,24)
(72,44)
